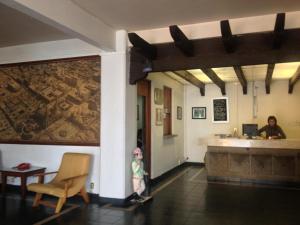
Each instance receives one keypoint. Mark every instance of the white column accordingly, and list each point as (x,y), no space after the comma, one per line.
(118,122)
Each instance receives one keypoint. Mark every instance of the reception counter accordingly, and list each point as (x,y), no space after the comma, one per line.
(253,161)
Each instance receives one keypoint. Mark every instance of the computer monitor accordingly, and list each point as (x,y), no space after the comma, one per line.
(250,130)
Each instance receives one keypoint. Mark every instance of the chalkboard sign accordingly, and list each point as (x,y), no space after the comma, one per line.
(220,110)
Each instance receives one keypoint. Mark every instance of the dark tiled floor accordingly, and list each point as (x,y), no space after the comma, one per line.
(186,201)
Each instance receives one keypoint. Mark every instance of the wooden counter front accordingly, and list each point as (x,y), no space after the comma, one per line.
(253,161)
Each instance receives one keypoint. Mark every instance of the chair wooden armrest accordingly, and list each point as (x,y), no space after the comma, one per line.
(41,176)
(73,178)
(69,181)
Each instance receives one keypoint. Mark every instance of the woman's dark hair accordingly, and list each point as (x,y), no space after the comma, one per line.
(272,118)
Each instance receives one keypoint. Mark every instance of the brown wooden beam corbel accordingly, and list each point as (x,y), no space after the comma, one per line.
(240,75)
(215,78)
(293,80)
(137,65)
(146,49)
(192,79)
(181,41)
(269,75)
(229,40)
(279,32)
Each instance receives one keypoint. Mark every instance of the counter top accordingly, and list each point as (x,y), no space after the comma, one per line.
(252,143)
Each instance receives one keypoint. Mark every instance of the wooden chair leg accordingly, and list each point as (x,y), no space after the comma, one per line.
(60,204)
(84,195)
(37,199)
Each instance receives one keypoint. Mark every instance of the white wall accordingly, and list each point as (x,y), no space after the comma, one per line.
(284,106)
(166,153)
(47,155)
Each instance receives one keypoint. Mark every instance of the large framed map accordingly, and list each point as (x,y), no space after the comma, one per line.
(51,102)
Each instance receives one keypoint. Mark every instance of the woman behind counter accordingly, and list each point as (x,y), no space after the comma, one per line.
(273,131)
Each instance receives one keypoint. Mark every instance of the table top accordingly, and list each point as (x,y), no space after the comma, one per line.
(250,143)
(32,168)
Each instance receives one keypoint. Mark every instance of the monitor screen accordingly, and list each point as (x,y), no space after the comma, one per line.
(250,130)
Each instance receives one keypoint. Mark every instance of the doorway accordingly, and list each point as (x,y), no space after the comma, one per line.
(144,121)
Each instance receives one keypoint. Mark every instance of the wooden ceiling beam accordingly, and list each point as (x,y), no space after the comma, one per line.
(137,65)
(215,78)
(191,79)
(269,75)
(229,41)
(293,80)
(279,31)
(240,75)
(181,41)
(146,49)
(253,49)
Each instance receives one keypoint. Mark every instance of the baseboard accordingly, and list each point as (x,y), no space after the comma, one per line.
(94,198)
(200,164)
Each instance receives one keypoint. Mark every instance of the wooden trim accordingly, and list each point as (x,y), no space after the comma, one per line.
(253,49)
(148,50)
(229,41)
(181,41)
(293,80)
(144,89)
(216,79)
(192,79)
(169,116)
(268,79)
(240,75)
(279,31)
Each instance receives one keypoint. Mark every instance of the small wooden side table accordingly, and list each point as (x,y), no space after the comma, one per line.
(23,174)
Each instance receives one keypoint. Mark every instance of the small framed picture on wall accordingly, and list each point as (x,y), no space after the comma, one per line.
(159,117)
(179,112)
(198,112)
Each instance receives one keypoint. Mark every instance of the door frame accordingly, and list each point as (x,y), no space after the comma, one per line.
(144,89)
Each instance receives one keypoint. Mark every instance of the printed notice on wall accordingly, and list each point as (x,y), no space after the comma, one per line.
(220,110)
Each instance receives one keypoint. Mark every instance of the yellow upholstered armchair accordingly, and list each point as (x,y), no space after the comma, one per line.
(69,181)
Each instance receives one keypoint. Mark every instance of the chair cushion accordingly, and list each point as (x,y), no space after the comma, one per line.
(56,189)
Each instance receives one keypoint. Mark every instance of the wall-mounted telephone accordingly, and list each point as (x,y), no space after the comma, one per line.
(23,166)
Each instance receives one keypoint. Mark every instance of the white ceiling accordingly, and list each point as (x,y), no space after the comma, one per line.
(18,28)
(144,14)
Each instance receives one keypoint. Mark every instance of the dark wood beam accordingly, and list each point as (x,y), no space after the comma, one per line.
(181,41)
(146,49)
(229,41)
(240,75)
(293,80)
(192,79)
(279,30)
(137,65)
(214,77)
(253,49)
(269,75)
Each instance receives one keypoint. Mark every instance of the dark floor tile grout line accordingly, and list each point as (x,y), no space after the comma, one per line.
(170,182)
(131,208)
(57,215)
(196,175)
